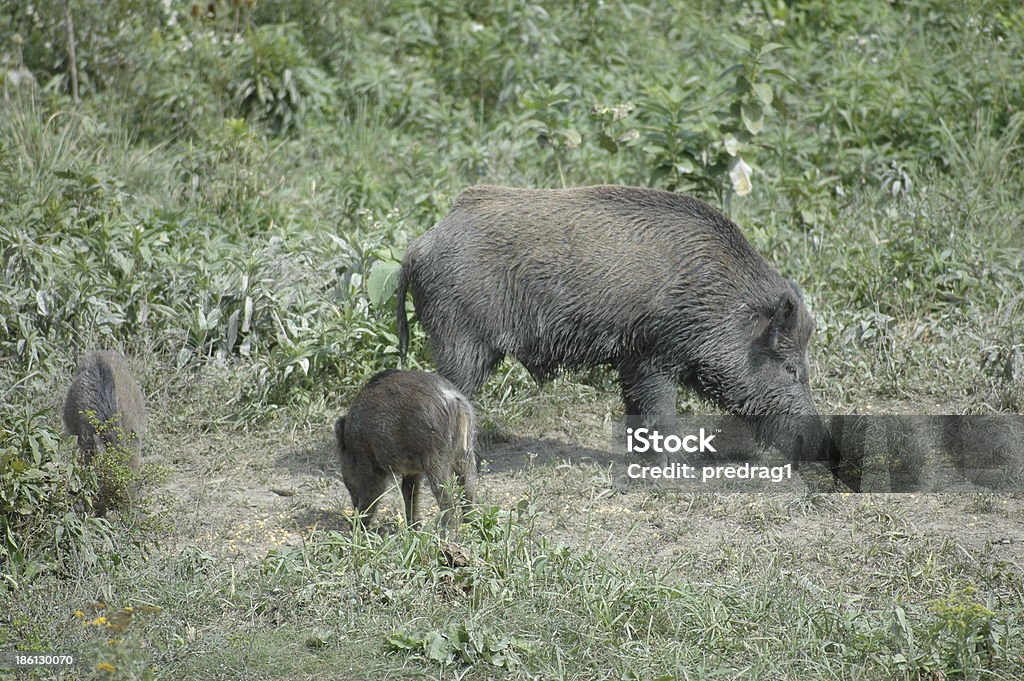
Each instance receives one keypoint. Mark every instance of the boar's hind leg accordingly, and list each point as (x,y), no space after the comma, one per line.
(649,398)
(445,491)
(410,493)
(466,363)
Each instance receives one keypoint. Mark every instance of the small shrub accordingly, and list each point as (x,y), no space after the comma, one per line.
(276,80)
(42,494)
(114,467)
(959,638)
(461,643)
(115,648)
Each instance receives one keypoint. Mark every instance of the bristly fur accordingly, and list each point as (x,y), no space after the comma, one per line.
(104,387)
(660,286)
(412,424)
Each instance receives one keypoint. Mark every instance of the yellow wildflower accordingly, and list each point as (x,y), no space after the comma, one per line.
(105,667)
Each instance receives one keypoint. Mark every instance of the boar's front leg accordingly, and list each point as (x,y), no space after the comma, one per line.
(649,400)
(410,494)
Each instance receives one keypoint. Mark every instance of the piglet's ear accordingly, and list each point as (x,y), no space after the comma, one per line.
(780,319)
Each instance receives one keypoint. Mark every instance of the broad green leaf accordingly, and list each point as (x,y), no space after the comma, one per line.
(779,72)
(437,647)
(572,138)
(737,41)
(605,141)
(247,320)
(628,136)
(213,319)
(233,329)
(732,145)
(753,117)
(560,88)
(383,281)
(402,641)
(732,69)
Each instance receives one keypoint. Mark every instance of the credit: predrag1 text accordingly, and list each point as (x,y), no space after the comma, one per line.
(682,471)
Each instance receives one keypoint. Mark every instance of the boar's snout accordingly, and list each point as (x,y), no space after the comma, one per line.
(806,439)
(798,437)
(814,443)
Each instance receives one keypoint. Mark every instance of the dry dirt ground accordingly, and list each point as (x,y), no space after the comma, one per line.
(238,496)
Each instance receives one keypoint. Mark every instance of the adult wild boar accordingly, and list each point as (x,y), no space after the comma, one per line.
(658,285)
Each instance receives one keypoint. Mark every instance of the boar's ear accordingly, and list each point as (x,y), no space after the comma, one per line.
(797,290)
(776,321)
(783,321)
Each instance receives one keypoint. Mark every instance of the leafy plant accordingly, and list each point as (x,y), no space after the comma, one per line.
(687,149)
(551,123)
(464,643)
(112,467)
(382,283)
(115,649)
(960,639)
(41,495)
(277,81)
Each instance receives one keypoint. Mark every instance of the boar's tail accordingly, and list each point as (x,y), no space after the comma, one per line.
(465,450)
(403,322)
(464,435)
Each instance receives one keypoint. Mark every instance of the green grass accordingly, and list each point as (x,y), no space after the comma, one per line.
(223,203)
(514,604)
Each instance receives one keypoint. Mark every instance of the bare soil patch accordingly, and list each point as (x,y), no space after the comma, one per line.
(240,496)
